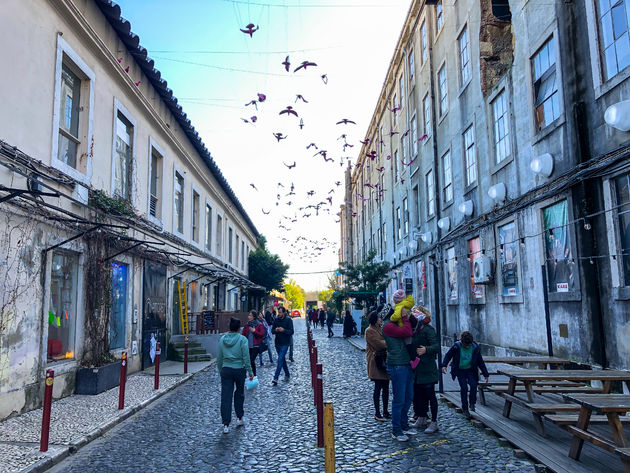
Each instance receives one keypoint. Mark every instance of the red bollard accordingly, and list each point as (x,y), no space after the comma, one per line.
(123,381)
(185,355)
(43,443)
(158,350)
(314,372)
(320,406)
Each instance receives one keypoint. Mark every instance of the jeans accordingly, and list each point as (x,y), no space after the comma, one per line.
(467,378)
(282,361)
(291,349)
(260,355)
(423,396)
(402,388)
(381,386)
(330,330)
(253,353)
(231,377)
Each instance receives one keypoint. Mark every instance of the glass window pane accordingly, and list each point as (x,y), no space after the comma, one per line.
(607,30)
(62,309)
(67,151)
(452,274)
(622,48)
(118,311)
(474,250)
(509,260)
(559,258)
(610,62)
(619,20)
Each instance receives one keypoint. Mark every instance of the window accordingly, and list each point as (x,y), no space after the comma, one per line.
(546,96)
(414,136)
(178,218)
(208,228)
(501,127)
(398,224)
(230,237)
(118,311)
(396,166)
(219,236)
(195,216)
(415,195)
(451,265)
(69,111)
(236,251)
(426,107)
(401,89)
(448,177)
(242,255)
(439,16)
(379,242)
(155,185)
(405,215)
(443,90)
(474,251)
(384,237)
(123,164)
(62,309)
(508,248)
(471,155)
(412,66)
(423,42)
(613,36)
(559,260)
(394,106)
(430,194)
(622,200)
(403,148)
(464,56)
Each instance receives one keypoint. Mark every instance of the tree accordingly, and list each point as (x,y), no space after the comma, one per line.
(294,294)
(325,295)
(266,269)
(363,281)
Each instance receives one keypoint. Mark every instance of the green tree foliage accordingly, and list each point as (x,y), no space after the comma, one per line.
(294,294)
(266,269)
(325,295)
(363,281)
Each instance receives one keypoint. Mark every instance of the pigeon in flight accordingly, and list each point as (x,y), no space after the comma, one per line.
(322,152)
(301,125)
(406,164)
(328,159)
(347,145)
(253,187)
(392,133)
(300,97)
(423,137)
(338,183)
(286,64)
(365,142)
(345,121)
(381,169)
(324,78)
(279,136)
(289,111)
(304,65)
(280,185)
(253,102)
(342,137)
(310,193)
(253,118)
(312,145)
(261,97)
(266,212)
(290,166)
(250,29)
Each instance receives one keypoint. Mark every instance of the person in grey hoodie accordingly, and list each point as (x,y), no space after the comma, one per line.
(233,361)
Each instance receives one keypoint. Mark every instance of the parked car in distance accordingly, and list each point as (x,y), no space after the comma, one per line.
(296,313)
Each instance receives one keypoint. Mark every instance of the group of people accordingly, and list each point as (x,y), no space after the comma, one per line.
(315,317)
(402,347)
(237,354)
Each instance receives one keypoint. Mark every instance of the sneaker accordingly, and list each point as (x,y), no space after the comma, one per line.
(240,422)
(432,428)
(379,417)
(466,413)
(410,431)
(400,437)
(226,429)
(275,382)
(419,423)
(291,360)
(287,378)
(414,363)
(472,407)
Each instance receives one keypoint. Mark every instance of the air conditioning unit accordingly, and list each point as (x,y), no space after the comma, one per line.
(482,270)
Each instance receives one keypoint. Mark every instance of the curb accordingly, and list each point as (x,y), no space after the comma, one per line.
(354,344)
(47,463)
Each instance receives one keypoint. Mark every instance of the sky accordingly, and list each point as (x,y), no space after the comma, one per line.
(214,69)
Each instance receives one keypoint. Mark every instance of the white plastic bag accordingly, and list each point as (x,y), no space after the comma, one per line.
(251,384)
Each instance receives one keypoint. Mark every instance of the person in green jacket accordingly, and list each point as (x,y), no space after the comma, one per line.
(233,361)
(426,374)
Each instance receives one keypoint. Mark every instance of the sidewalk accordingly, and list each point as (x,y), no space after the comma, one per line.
(78,419)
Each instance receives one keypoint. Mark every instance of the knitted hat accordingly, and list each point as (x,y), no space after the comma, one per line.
(399,296)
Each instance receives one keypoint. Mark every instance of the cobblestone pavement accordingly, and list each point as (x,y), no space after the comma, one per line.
(182,431)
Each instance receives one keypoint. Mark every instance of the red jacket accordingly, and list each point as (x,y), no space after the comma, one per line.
(259,333)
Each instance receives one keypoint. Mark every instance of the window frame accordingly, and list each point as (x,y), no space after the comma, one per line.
(426,109)
(549,39)
(177,171)
(411,64)
(195,191)
(429,185)
(154,219)
(424,42)
(464,81)
(127,261)
(452,295)
(230,245)
(450,186)
(469,184)
(208,238)
(405,215)
(439,14)
(119,108)
(442,111)
(218,231)
(501,93)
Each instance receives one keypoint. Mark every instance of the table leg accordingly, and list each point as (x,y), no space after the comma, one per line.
(619,436)
(577,442)
(607,387)
(529,391)
(508,404)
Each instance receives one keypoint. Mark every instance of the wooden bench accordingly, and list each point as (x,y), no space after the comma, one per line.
(501,386)
(569,419)
(580,388)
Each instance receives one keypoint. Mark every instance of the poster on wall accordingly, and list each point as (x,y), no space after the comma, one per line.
(474,250)
(422,281)
(560,263)
(509,260)
(451,289)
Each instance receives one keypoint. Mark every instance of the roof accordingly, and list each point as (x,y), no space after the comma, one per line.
(122,27)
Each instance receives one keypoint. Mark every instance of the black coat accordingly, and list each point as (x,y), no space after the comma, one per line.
(477,362)
(283,338)
(349,326)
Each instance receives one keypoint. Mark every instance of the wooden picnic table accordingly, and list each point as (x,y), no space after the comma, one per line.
(611,405)
(542,361)
(530,378)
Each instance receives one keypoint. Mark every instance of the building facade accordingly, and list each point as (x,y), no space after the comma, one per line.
(495,174)
(109,201)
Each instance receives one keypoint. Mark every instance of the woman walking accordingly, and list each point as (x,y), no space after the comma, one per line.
(267,340)
(254,331)
(233,361)
(375,353)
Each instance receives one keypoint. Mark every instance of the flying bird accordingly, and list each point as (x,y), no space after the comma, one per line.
(322,152)
(266,212)
(253,187)
(253,118)
(381,169)
(138,83)
(312,145)
(344,136)
(300,97)
(289,111)
(253,102)
(290,166)
(280,184)
(331,191)
(345,121)
(261,97)
(324,78)
(406,164)
(338,183)
(304,65)
(365,142)
(286,64)
(279,136)
(328,159)
(127,69)
(120,60)
(310,193)
(347,145)
(423,137)
(395,109)
(250,29)
(392,133)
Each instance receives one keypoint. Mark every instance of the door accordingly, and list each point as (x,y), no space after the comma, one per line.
(153,310)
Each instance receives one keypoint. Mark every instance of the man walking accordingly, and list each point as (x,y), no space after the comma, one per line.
(330,320)
(283,330)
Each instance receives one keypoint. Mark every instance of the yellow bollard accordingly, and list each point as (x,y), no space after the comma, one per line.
(329,438)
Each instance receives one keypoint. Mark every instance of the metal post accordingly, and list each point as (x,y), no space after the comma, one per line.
(315,372)
(185,355)
(156,384)
(329,438)
(319,407)
(123,381)
(43,443)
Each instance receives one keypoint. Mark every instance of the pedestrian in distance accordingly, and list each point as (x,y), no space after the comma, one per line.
(283,330)
(268,339)
(466,363)
(322,317)
(426,375)
(399,371)
(269,317)
(233,362)
(254,331)
(314,316)
(349,325)
(375,355)
(330,320)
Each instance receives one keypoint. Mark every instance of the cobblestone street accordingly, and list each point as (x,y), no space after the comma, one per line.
(182,431)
